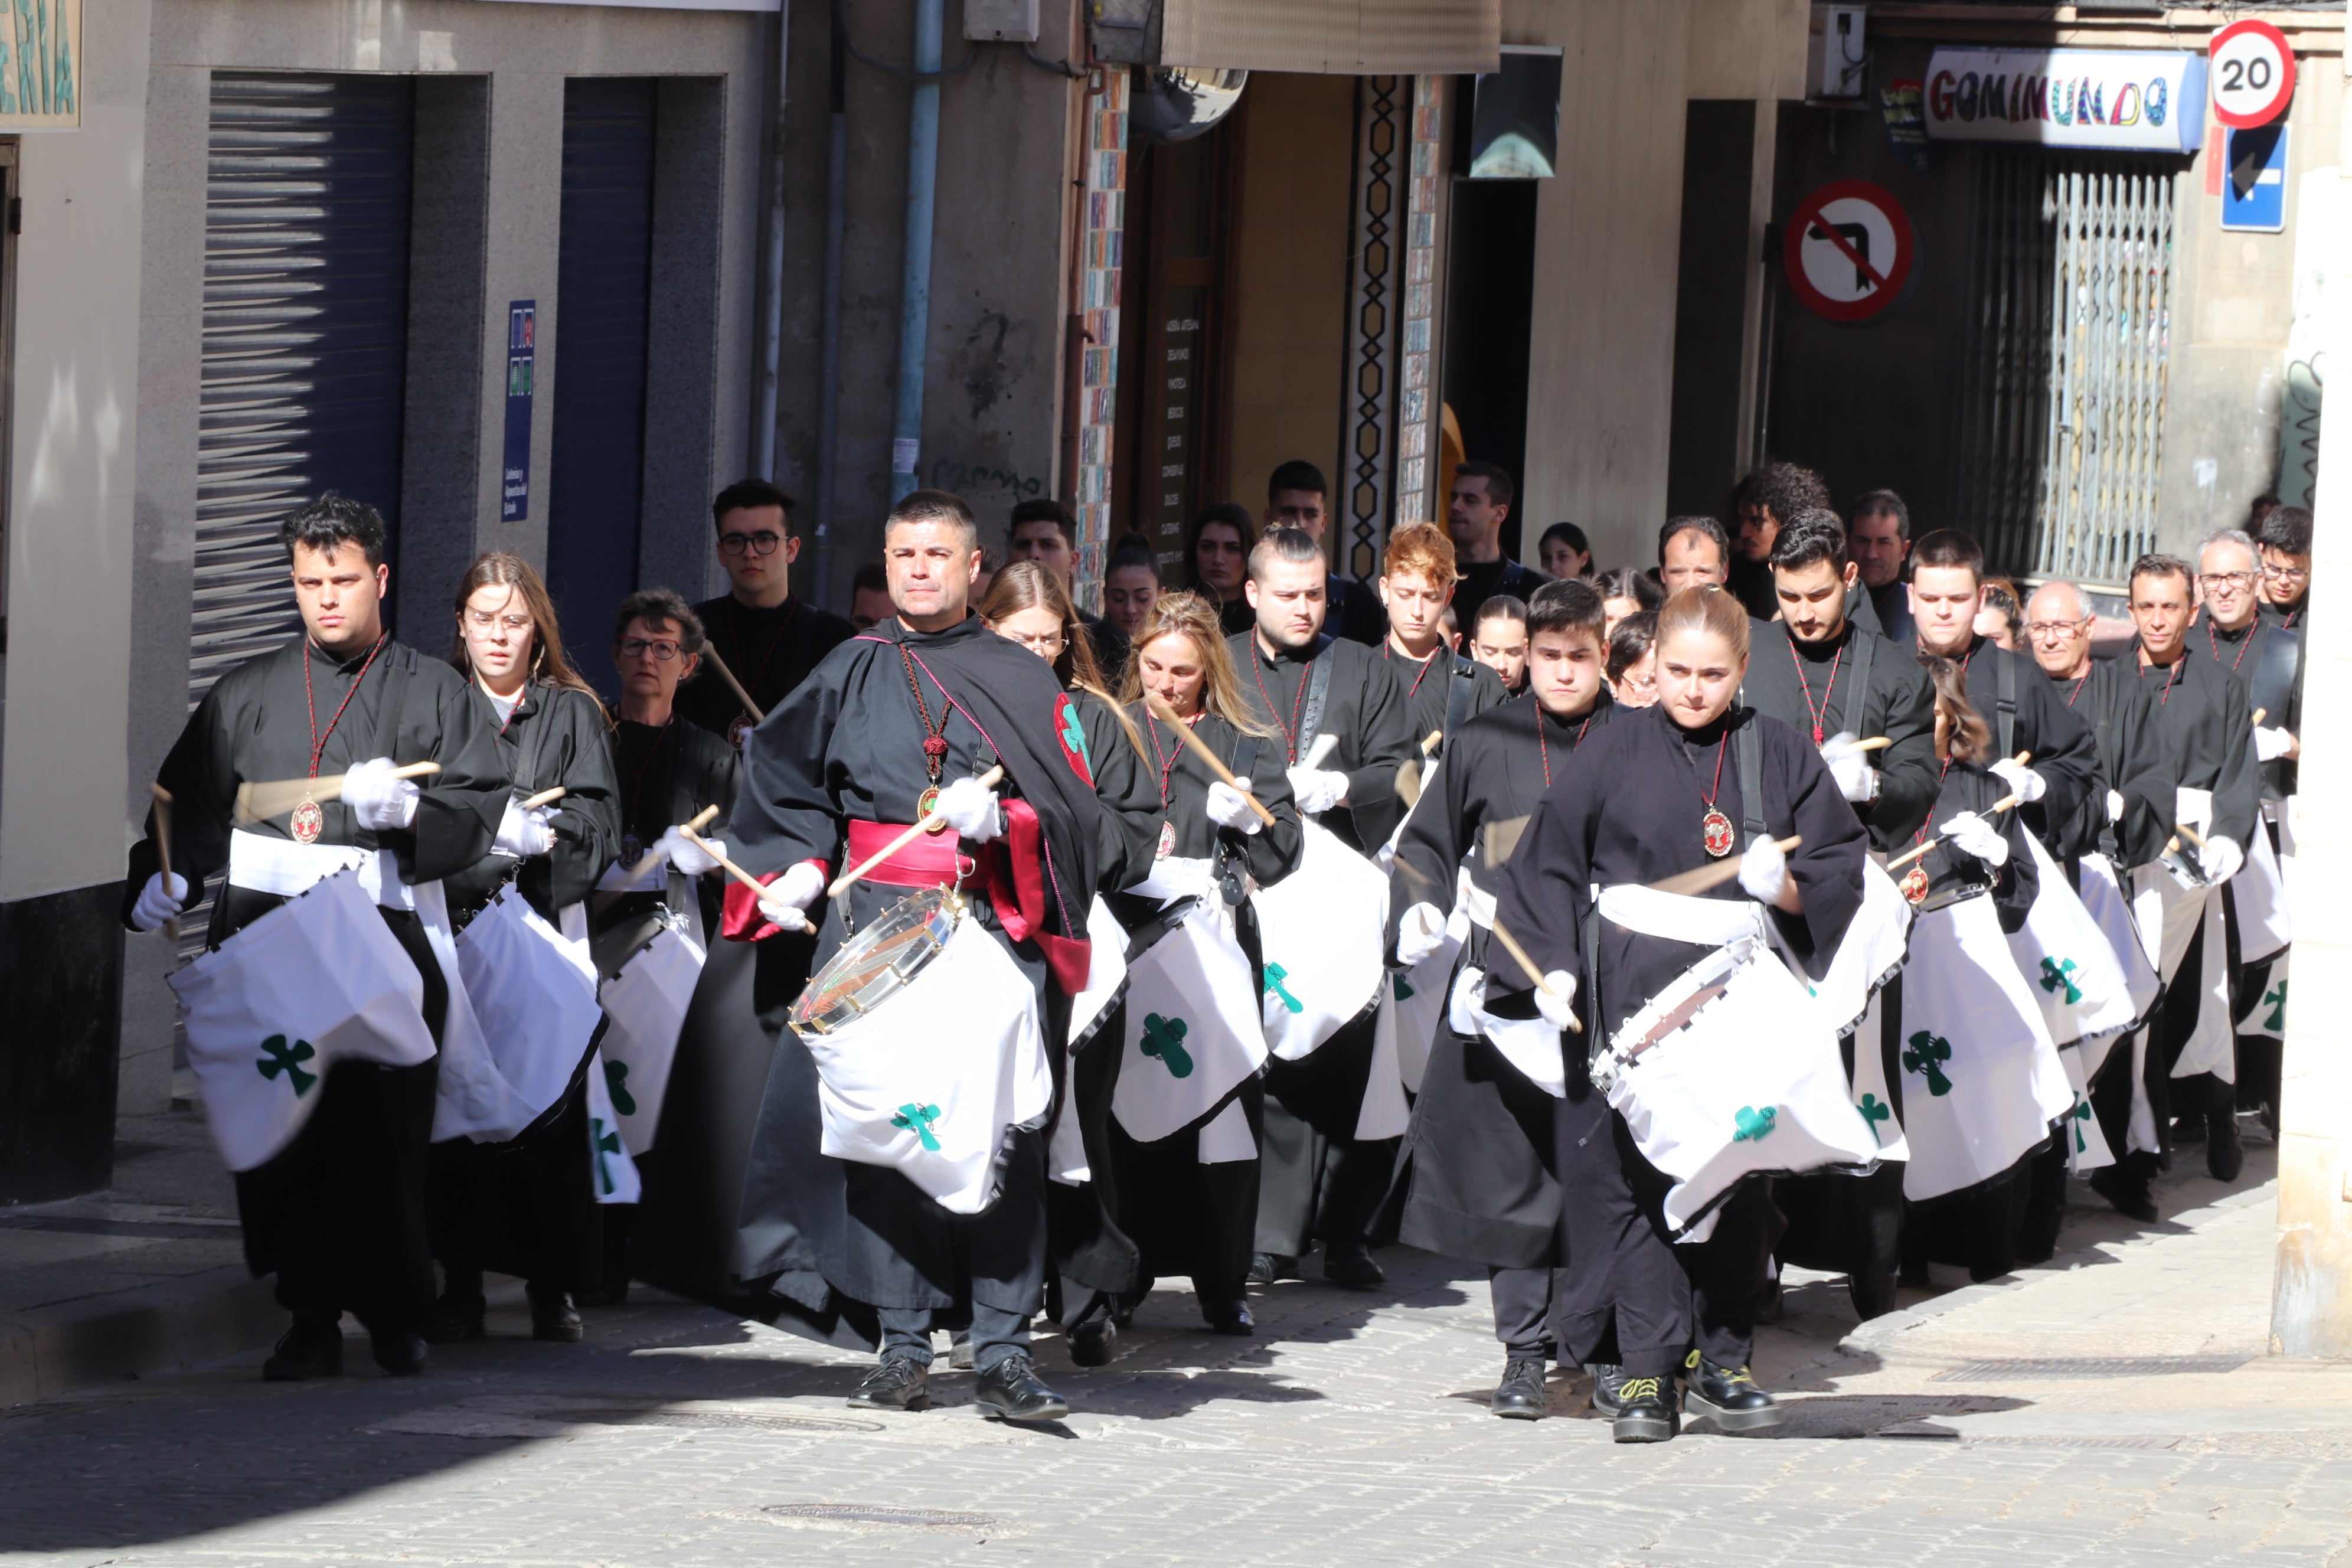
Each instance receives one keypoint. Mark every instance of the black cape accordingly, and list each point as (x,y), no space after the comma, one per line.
(2200,711)
(2027,715)
(555,736)
(1794,681)
(2266,654)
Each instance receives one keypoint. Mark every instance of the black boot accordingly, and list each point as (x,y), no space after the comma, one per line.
(2225,1152)
(553,1316)
(1729,1394)
(901,1383)
(1874,1294)
(2126,1192)
(1607,1378)
(311,1347)
(1348,1264)
(399,1351)
(1266,1268)
(1645,1410)
(460,1311)
(1011,1391)
(1093,1342)
(1521,1396)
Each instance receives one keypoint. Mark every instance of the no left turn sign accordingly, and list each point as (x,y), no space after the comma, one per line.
(2252,70)
(1848,251)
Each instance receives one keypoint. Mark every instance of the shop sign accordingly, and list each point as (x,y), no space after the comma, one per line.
(41,65)
(2141,101)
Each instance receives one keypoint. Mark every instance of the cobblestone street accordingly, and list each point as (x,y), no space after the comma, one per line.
(2117,1406)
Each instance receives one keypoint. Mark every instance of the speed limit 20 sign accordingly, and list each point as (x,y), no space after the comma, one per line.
(2252,69)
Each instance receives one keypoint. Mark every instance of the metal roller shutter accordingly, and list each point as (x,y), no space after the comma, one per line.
(604,281)
(305,335)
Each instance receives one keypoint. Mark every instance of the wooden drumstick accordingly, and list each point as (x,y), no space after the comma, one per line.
(1519,956)
(1876,743)
(848,879)
(725,865)
(651,857)
(1320,751)
(733,685)
(163,852)
(1698,882)
(544,797)
(2261,714)
(2003,804)
(2191,835)
(1429,743)
(260,802)
(1160,709)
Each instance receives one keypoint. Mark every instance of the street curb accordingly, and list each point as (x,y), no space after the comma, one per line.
(105,1339)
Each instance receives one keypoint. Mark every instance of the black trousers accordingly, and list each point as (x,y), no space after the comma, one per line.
(1663,1298)
(1523,1305)
(1318,1181)
(528,1207)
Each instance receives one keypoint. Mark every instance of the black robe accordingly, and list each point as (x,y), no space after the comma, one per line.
(1753,584)
(1186,1217)
(770,651)
(1475,1177)
(2027,714)
(1893,604)
(1353,610)
(824,1236)
(2111,698)
(2201,724)
(2266,655)
(339,1214)
(1793,681)
(528,1207)
(1445,685)
(1365,707)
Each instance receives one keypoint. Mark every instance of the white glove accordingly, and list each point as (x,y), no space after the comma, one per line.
(969,807)
(2270,745)
(2114,805)
(1850,766)
(1763,869)
(2193,806)
(2023,782)
(1420,931)
(1554,996)
(786,899)
(1318,790)
(524,834)
(2223,857)
(159,900)
(378,800)
(687,858)
(1972,834)
(1229,807)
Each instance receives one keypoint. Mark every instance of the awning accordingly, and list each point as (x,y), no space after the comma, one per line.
(1342,38)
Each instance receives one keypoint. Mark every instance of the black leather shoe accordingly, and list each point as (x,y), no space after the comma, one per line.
(1645,1410)
(458,1313)
(1729,1394)
(901,1383)
(311,1347)
(1010,1390)
(1266,1268)
(2126,1196)
(1521,1396)
(960,1350)
(1874,1294)
(2225,1152)
(1608,1377)
(1093,1342)
(1229,1318)
(1349,1266)
(399,1351)
(553,1316)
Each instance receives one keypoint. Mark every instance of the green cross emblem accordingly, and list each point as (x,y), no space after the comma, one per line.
(617,1075)
(1753,1125)
(1275,975)
(1404,992)
(1164,1038)
(607,1142)
(918,1120)
(1927,1055)
(2275,1000)
(2056,973)
(1074,734)
(2082,1113)
(277,1056)
(1874,1111)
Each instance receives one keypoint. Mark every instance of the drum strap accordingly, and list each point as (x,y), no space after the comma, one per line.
(1857,700)
(1319,691)
(1458,693)
(1752,785)
(1231,884)
(2005,668)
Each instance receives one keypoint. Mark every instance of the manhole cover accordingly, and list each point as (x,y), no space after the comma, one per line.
(868,1513)
(2061,1367)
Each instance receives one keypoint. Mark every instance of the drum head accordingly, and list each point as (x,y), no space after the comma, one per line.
(877,961)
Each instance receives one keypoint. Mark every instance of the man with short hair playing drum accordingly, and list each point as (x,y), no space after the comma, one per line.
(895,726)
(338,1213)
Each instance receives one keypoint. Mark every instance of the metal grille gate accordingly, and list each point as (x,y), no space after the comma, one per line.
(2062,403)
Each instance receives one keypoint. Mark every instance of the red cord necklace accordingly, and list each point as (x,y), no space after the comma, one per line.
(308,821)
(1820,715)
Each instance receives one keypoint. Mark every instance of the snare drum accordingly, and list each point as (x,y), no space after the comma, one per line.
(879,962)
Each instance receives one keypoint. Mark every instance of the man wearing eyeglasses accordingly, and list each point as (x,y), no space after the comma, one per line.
(768,639)
(2286,544)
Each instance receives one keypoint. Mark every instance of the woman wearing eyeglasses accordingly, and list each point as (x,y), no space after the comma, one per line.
(528,1207)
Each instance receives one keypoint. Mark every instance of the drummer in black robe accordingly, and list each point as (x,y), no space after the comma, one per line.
(896,724)
(1189,1217)
(1990,1225)
(1839,683)
(339,1214)
(1093,1259)
(1444,689)
(1319,1182)
(2060,775)
(528,1207)
(668,772)
(2266,655)
(1477,1177)
(1656,793)
(768,638)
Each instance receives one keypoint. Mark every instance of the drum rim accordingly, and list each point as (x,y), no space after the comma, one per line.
(806,1015)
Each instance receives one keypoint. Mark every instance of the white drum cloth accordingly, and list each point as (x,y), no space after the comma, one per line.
(533,990)
(2173,915)
(1192,1033)
(1868,955)
(644,1008)
(1321,929)
(1065,1150)
(2067,962)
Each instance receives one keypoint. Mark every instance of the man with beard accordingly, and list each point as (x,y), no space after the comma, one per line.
(1761,505)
